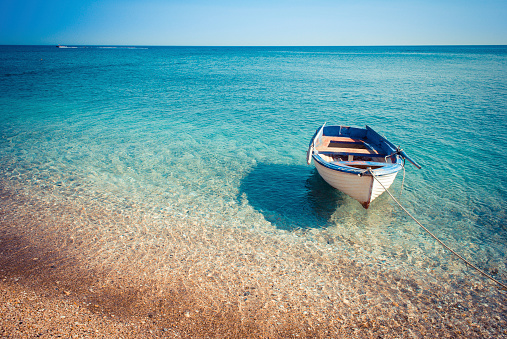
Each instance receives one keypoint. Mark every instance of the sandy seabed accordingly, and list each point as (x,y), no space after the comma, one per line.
(80,269)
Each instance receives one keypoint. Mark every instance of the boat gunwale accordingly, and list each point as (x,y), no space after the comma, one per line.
(377,144)
(339,166)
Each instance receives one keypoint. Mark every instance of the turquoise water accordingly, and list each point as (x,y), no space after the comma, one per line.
(219,136)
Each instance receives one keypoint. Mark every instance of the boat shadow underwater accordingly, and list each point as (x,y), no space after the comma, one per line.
(290,196)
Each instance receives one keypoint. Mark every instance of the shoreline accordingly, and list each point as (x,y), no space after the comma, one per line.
(67,271)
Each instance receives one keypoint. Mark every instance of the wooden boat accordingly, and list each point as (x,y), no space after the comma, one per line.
(357,161)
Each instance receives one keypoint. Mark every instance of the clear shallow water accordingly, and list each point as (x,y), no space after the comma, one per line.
(219,135)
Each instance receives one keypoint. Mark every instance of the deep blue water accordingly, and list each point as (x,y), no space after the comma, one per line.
(221,134)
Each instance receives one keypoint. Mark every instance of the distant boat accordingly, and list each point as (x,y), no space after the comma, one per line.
(349,159)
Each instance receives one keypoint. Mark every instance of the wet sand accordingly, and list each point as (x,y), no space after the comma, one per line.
(78,268)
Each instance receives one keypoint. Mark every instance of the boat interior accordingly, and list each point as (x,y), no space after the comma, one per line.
(350,152)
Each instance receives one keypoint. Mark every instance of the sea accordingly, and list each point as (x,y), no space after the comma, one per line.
(189,164)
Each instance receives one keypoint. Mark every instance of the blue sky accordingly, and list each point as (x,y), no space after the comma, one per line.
(249,22)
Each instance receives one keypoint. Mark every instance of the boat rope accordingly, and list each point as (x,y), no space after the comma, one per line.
(398,151)
(438,240)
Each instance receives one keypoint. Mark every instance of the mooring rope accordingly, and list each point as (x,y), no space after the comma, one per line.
(434,237)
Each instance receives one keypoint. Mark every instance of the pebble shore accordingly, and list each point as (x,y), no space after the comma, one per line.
(65,272)
(29,311)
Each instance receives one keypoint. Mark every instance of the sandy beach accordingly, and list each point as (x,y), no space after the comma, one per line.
(67,270)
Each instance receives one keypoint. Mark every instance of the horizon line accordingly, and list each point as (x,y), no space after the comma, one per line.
(138,45)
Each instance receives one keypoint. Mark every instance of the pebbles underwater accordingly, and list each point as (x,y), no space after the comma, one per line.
(129,273)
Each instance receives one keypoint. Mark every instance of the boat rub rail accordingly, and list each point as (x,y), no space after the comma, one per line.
(380,168)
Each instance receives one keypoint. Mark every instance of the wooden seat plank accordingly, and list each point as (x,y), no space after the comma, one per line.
(327,139)
(346,150)
(349,151)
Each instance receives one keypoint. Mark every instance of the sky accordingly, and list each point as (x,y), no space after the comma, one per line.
(253,22)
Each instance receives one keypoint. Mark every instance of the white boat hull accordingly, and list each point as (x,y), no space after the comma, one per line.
(362,188)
